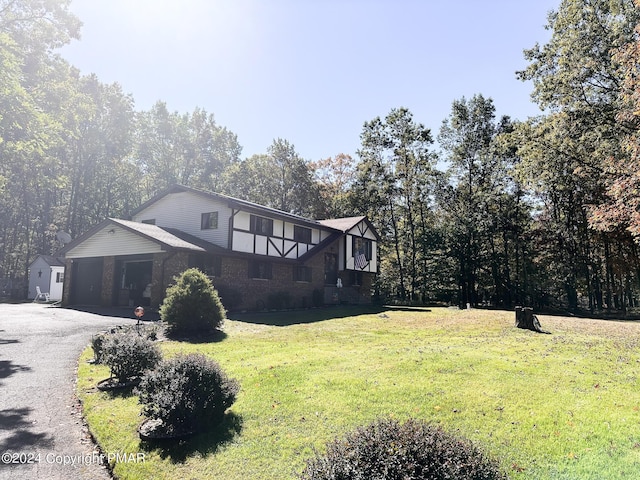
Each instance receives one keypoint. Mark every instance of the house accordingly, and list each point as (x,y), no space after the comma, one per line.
(257,257)
(46,272)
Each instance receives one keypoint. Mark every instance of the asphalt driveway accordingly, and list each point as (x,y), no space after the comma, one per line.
(41,430)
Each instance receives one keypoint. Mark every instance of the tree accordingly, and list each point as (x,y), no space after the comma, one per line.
(622,203)
(280,179)
(190,149)
(393,189)
(568,153)
(335,176)
(29,128)
(467,136)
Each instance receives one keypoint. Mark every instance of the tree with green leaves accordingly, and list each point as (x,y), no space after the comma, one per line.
(335,177)
(393,188)
(190,149)
(279,179)
(567,153)
(30,132)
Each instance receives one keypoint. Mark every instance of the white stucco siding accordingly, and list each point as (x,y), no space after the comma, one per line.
(362,230)
(183,210)
(280,244)
(260,245)
(279,230)
(242,221)
(243,242)
(113,240)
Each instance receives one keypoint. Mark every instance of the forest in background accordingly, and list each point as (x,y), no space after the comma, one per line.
(542,212)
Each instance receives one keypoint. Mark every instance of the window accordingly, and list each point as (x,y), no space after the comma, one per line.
(301,274)
(301,234)
(356,278)
(362,246)
(210,265)
(260,270)
(261,225)
(59,277)
(209,221)
(149,221)
(362,252)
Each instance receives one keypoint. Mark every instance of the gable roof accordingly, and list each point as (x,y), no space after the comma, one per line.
(50,260)
(168,238)
(347,223)
(172,238)
(231,201)
(342,225)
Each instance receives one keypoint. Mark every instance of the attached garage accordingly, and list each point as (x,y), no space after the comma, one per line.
(87,287)
(133,281)
(126,263)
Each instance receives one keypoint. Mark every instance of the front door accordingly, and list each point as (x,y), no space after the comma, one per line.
(330,269)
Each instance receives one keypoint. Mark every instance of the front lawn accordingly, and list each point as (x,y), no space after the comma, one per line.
(560,406)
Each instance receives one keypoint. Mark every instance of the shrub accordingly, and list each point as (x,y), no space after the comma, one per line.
(192,305)
(129,355)
(188,393)
(388,450)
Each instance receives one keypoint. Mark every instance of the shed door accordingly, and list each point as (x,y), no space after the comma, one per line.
(87,282)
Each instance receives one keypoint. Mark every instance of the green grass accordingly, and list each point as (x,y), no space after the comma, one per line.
(560,406)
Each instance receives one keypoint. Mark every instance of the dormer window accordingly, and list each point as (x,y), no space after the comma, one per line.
(209,221)
(261,226)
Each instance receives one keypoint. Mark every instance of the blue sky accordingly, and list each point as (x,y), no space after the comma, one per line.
(311,71)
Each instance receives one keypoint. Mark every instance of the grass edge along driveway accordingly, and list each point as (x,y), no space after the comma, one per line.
(561,406)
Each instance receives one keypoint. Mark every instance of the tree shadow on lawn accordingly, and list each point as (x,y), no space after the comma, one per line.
(215,336)
(299,317)
(633,315)
(204,444)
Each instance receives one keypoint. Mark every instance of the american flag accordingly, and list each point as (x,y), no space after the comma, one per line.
(361,261)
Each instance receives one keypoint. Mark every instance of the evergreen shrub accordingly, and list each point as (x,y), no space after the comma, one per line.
(388,450)
(128,355)
(187,393)
(192,305)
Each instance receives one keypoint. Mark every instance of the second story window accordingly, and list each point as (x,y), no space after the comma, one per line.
(261,226)
(301,234)
(209,221)
(362,246)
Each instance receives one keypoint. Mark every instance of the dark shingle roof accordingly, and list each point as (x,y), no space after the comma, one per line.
(166,236)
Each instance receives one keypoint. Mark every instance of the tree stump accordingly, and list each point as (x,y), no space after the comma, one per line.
(527,320)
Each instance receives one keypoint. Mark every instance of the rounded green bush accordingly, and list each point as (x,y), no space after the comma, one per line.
(128,355)
(187,393)
(414,450)
(192,304)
